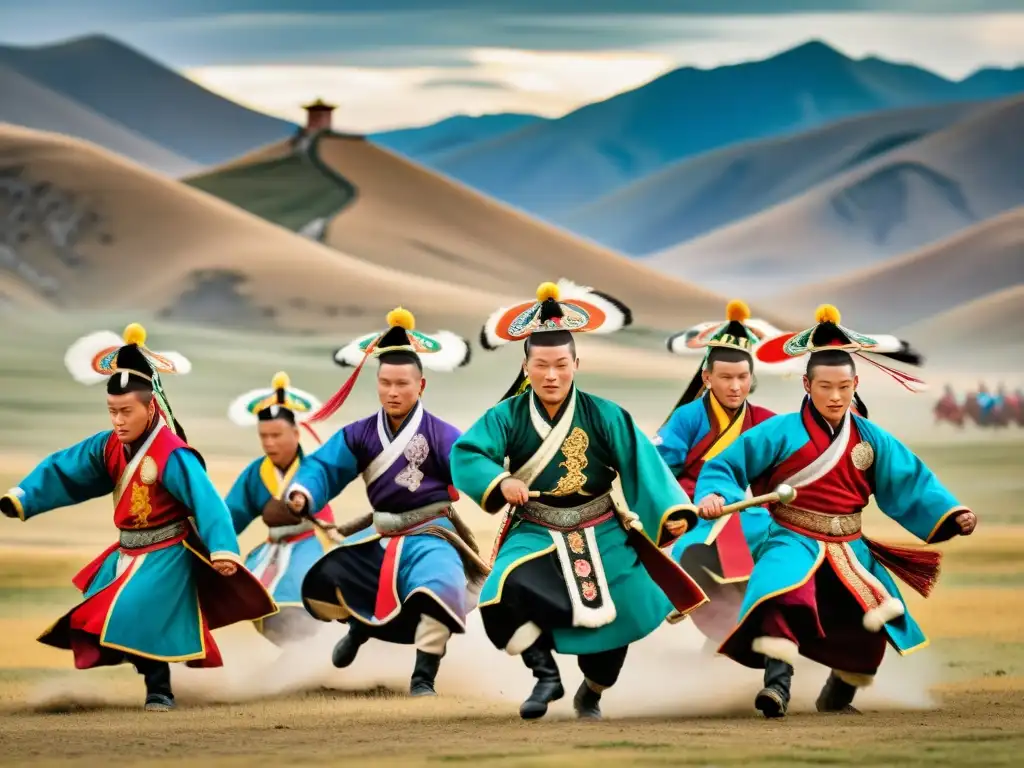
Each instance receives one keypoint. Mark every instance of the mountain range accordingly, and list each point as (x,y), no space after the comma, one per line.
(138,99)
(803,178)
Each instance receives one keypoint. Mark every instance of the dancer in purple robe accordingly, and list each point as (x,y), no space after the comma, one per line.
(405,575)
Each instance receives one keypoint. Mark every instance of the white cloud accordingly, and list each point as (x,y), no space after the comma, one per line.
(552,82)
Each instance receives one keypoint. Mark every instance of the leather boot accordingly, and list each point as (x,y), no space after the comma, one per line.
(157,675)
(424,673)
(837,696)
(587,703)
(773,700)
(345,651)
(548,687)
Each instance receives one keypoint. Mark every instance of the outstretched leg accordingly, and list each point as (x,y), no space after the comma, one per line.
(346,649)
(431,642)
(539,659)
(600,672)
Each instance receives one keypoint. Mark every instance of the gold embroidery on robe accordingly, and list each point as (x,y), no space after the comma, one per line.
(141,508)
(574,448)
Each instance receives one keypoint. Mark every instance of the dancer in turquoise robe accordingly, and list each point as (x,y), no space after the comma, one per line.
(712,412)
(174,575)
(820,588)
(292,544)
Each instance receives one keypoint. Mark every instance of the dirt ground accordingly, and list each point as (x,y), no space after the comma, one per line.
(958,702)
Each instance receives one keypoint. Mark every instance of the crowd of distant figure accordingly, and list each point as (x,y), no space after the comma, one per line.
(1001,408)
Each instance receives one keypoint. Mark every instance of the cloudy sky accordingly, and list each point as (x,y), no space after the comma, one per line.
(391,63)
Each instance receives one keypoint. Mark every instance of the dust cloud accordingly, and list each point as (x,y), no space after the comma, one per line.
(667,674)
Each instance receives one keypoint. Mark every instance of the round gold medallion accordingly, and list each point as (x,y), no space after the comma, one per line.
(148,471)
(863,455)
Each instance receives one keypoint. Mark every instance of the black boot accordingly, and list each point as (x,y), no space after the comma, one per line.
(587,703)
(773,700)
(548,687)
(837,696)
(424,673)
(345,651)
(157,675)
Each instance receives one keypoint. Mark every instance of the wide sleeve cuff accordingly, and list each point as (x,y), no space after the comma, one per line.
(947,527)
(225,555)
(13,497)
(686,513)
(491,502)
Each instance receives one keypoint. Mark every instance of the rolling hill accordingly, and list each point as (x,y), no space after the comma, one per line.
(428,143)
(88,230)
(972,264)
(32,105)
(902,200)
(554,167)
(389,211)
(141,96)
(987,333)
(695,196)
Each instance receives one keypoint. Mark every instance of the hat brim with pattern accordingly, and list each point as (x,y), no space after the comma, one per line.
(244,409)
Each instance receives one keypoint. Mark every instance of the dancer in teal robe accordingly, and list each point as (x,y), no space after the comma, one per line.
(574,570)
(174,575)
(820,588)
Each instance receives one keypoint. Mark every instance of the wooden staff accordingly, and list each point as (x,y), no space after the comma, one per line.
(783,494)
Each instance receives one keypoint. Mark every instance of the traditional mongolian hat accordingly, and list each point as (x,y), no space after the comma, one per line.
(829,334)
(280,401)
(127,365)
(441,351)
(560,308)
(733,333)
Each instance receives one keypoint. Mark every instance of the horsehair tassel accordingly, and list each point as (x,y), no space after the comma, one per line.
(312,431)
(917,567)
(905,379)
(331,407)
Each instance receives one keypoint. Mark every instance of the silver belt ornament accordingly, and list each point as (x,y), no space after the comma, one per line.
(147,537)
(568,517)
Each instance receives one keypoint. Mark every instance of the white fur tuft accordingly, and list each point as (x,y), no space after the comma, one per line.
(876,618)
(855,679)
(454,352)
(615,318)
(776,648)
(351,355)
(523,638)
(79,356)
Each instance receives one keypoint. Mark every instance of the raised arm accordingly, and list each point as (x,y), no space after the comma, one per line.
(324,473)
(478,459)
(64,478)
(908,492)
(187,481)
(650,489)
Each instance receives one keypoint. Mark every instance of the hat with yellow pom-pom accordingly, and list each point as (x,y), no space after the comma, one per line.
(280,401)
(399,343)
(828,333)
(559,309)
(733,333)
(99,356)
(126,364)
